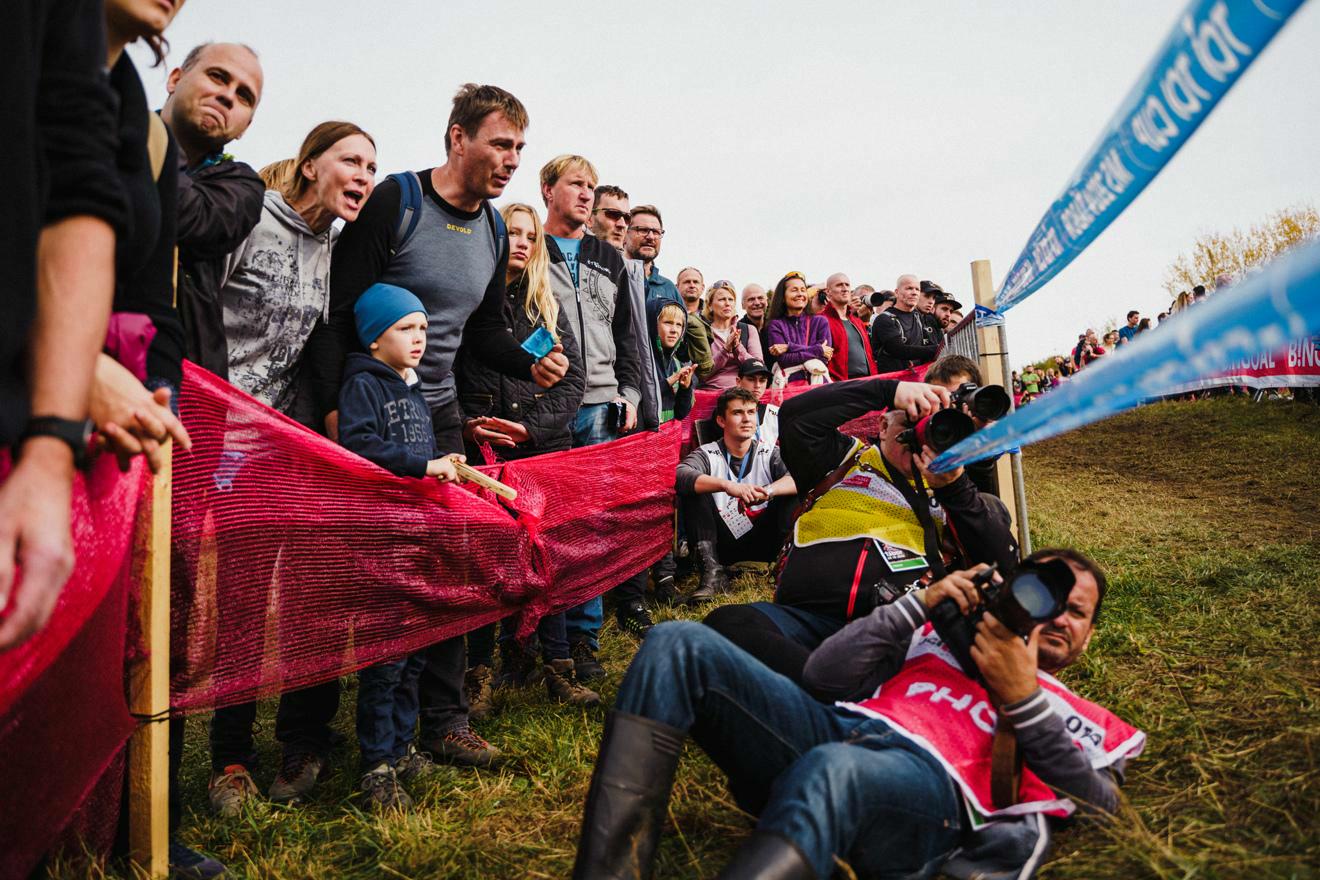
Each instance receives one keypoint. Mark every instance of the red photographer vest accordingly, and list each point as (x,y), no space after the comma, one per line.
(935,705)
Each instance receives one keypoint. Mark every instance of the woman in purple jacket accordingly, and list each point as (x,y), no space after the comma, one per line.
(792,335)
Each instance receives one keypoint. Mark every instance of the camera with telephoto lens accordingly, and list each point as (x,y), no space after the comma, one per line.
(1034,594)
(945,427)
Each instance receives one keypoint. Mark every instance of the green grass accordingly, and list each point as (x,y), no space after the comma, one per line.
(1206,517)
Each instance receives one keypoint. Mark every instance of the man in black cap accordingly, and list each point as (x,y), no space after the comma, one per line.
(945,306)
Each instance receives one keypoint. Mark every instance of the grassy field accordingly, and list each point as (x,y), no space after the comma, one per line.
(1205,516)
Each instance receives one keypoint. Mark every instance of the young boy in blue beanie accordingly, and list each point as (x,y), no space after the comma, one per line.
(384,418)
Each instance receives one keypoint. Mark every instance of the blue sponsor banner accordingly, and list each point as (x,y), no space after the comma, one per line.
(986,317)
(1211,45)
(1261,315)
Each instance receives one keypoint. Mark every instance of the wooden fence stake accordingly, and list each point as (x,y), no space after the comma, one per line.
(992,342)
(149,683)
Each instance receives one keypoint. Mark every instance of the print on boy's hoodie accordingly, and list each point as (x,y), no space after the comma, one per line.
(385,418)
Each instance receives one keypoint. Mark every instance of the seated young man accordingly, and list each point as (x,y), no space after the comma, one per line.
(862,537)
(899,778)
(737,495)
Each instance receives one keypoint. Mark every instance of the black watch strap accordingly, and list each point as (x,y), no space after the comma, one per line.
(77,434)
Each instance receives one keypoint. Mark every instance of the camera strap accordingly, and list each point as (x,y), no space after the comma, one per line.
(1005,759)
(919,501)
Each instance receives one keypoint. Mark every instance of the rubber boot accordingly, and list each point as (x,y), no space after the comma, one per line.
(713,579)
(628,798)
(768,856)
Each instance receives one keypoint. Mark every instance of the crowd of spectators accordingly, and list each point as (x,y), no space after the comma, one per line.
(421,327)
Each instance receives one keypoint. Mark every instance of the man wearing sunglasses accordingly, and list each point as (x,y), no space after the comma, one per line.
(610,215)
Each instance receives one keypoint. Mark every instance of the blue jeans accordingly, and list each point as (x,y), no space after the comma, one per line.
(830,780)
(387,708)
(590,428)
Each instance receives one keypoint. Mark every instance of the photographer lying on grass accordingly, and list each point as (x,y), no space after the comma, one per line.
(862,537)
(899,777)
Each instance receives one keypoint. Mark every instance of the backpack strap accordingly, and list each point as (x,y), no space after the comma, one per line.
(497,228)
(410,208)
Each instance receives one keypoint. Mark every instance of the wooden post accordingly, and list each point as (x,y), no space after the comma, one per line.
(149,683)
(995,371)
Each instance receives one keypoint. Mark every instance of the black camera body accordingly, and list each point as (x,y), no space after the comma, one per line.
(1036,593)
(946,427)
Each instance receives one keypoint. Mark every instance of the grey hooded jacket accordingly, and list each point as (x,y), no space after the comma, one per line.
(274,289)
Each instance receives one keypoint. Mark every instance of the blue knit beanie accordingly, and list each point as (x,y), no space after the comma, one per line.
(379,307)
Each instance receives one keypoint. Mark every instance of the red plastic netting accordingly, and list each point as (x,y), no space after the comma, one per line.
(296,561)
(63,715)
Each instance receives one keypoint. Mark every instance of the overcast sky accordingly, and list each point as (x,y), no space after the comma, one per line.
(870,138)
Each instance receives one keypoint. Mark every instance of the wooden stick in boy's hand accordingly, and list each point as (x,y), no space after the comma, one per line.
(470,474)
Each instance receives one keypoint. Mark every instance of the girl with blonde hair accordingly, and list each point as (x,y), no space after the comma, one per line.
(516,418)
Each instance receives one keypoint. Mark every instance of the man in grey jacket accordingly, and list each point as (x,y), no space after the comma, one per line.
(590,280)
(858,780)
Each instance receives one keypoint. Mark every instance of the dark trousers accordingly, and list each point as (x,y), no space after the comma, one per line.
(761,544)
(551,632)
(302,726)
(779,636)
(444,706)
(387,709)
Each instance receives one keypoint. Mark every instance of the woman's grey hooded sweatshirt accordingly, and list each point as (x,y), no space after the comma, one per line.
(274,289)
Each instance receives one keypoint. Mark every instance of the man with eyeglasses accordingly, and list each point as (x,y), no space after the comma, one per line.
(645,231)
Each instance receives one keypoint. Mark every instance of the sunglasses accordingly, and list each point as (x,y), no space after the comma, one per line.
(727,285)
(614,215)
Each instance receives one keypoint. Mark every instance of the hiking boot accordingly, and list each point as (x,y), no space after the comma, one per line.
(189,864)
(462,746)
(634,619)
(299,773)
(519,666)
(563,685)
(231,790)
(586,666)
(768,856)
(414,765)
(380,790)
(666,593)
(714,581)
(478,684)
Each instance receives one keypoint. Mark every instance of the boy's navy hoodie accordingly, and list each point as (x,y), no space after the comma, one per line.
(385,419)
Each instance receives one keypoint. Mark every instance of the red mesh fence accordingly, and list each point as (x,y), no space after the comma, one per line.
(63,715)
(296,561)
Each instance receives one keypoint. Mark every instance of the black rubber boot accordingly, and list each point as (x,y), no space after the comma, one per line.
(713,579)
(628,798)
(768,856)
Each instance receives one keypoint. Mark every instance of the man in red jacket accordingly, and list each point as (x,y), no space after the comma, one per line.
(848,333)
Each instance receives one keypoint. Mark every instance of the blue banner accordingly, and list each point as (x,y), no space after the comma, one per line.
(1210,46)
(1261,315)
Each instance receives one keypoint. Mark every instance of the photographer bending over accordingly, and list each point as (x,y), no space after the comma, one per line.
(862,537)
(899,781)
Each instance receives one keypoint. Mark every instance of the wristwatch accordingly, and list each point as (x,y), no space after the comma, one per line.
(76,433)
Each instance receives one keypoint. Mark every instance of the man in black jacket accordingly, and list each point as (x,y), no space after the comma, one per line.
(898,336)
(212,97)
(863,536)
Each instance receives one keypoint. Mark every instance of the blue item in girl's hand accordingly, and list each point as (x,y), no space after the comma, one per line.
(538,345)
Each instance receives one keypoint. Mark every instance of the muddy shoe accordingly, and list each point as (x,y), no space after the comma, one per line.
(462,746)
(634,619)
(231,790)
(564,687)
(478,684)
(414,765)
(519,666)
(298,775)
(666,593)
(585,664)
(190,864)
(380,790)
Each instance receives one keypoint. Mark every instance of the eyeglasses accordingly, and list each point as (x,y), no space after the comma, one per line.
(614,215)
(647,231)
(727,285)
